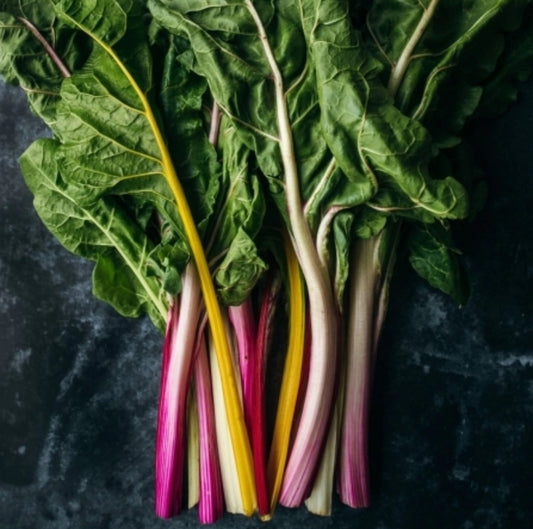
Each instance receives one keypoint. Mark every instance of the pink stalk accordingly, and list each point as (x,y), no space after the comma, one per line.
(60,65)
(178,350)
(243,322)
(258,433)
(211,503)
(354,475)
(251,348)
(305,454)
(315,403)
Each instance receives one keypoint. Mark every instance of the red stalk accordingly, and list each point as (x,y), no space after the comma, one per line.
(258,433)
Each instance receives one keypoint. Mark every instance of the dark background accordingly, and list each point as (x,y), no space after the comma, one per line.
(452,415)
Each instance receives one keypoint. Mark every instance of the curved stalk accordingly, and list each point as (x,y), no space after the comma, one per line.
(311,430)
(375,259)
(290,384)
(400,67)
(60,65)
(239,436)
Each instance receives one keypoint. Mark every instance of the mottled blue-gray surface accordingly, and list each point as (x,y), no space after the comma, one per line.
(452,416)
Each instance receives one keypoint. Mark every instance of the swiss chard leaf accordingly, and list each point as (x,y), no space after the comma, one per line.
(183,98)
(349,143)
(38,51)
(438,54)
(434,257)
(241,209)
(356,126)
(100,231)
(440,58)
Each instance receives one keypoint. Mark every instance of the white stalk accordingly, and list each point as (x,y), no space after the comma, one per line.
(399,69)
(320,500)
(228,467)
(313,423)
(354,489)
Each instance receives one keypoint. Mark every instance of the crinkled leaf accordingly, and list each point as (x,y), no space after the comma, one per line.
(232,59)
(107,21)
(24,59)
(453,56)
(348,139)
(434,258)
(183,97)
(368,222)
(240,269)
(357,112)
(101,232)
(342,226)
(108,126)
(242,203)
(227,193)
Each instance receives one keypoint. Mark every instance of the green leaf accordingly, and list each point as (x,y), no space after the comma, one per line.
(434,258)
(184,97)
(107,21)
(26,61)
(241,202)
(100,232)
(240,269)
(111,140)
(439,68)
(348,139)
(360,120)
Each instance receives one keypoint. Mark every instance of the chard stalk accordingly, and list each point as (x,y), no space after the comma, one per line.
(258,424)
(292,374)
(308,441)
(243,322)
(193,450)
(228,467)
(400,67)
(320,500)
(177,356)
(211,499)
(374,258)
(49,49)
(239,437)
(354,487)
(251,362)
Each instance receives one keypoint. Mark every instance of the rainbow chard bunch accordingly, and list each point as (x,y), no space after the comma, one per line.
(245,173)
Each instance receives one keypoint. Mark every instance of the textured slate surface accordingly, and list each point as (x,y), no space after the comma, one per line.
(452,417)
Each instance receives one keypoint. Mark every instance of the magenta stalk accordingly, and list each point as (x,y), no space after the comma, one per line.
(171,443)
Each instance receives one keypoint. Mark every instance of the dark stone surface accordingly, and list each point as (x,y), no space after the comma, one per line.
(452,417)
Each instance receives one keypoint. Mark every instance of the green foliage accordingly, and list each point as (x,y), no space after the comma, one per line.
(104,115)
(100,231)
(24,60)
(366,151)
(433,256)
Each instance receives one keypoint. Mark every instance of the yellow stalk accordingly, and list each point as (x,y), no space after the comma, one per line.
(239,435)
(291,378)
